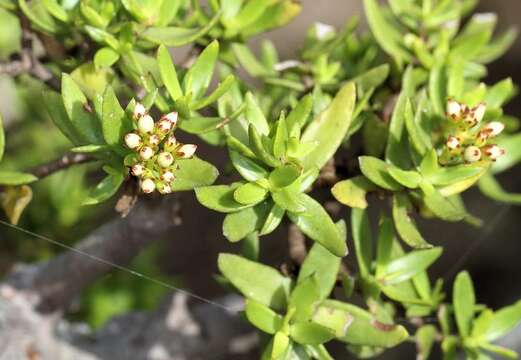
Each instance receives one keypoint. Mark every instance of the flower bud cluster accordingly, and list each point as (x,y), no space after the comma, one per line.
(155,150)
(470,141)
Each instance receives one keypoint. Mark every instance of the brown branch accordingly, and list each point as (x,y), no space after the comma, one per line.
(111,246)
(62,163)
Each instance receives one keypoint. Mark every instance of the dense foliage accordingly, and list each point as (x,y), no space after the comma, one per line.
(410,89)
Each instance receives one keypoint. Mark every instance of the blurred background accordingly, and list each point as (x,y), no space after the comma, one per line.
(187,257)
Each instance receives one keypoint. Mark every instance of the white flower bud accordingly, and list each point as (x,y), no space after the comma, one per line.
(165,159)
(146,124)
(133,141)
(472,154)
(186,151)
(165,189)
(139,111)
(454,109)
(146,153)
(479,112)
(164,126)
(494,128)
(171,142)
(167,176)
(493,151)
(154,140)
(138,170)
(172,117)
(148,186)
(453,143)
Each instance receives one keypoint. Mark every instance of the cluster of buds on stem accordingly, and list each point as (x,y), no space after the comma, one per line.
(470,141)
(155,150)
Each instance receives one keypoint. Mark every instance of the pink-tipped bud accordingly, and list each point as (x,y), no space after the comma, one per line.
(186,151)
(168,176)
(494,128)
(137,170)
(148,186)
(454,109)
(479,112)
(165,189)
(139,111)
(146,153)
(172,117)
(164,126)
(472,154)
(170,143)
(453,143)
(165,159)
(493,152)
(154,140)
(133,141)
(145,124)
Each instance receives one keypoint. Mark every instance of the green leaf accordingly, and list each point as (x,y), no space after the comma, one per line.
(407,178)
(288,200)
(425,339)
(248,168)
(356,326)
(281,344)
(407,266)
(386,33)
(178,36)
(40,18)
(115,123)
(192,173)
(452,174)
(443,207)
(249,61)
(105,189)
(503,321)
(168,73)
(372,78)
(263,317)
(377,171)
(255,281)
(255,116)
(405,225)
(16,178)
(491,188)
(429,165)
(437,88)
(362,238)
(283,176)
(76,106)
(258,148)
(498,46)
(316,223)
(221,89)
(250,193)
(272,220)
(308,333)
(464,300)
(352,192)
(504,352)
(298,117)
(91,149)
(384,250)
(323,265)
(238,225)
(330,127)
(397,150)
(2,138)
(56,110)
(198,78)
(303,298)
(219,198)
(281,138)
(105,57)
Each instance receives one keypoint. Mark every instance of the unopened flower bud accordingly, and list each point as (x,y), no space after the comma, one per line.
(479,112)
(494,128)
(138,170)
(186,151)
(164,126)
(167,176)
(453,143)
(154,140)
(493,151)
(148,186)
(170,143)
(472,154)
(146,152)
(172,117)
(454,109)
(165,159)
(165,189)
(133,141)
(146,124)
(139,111)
